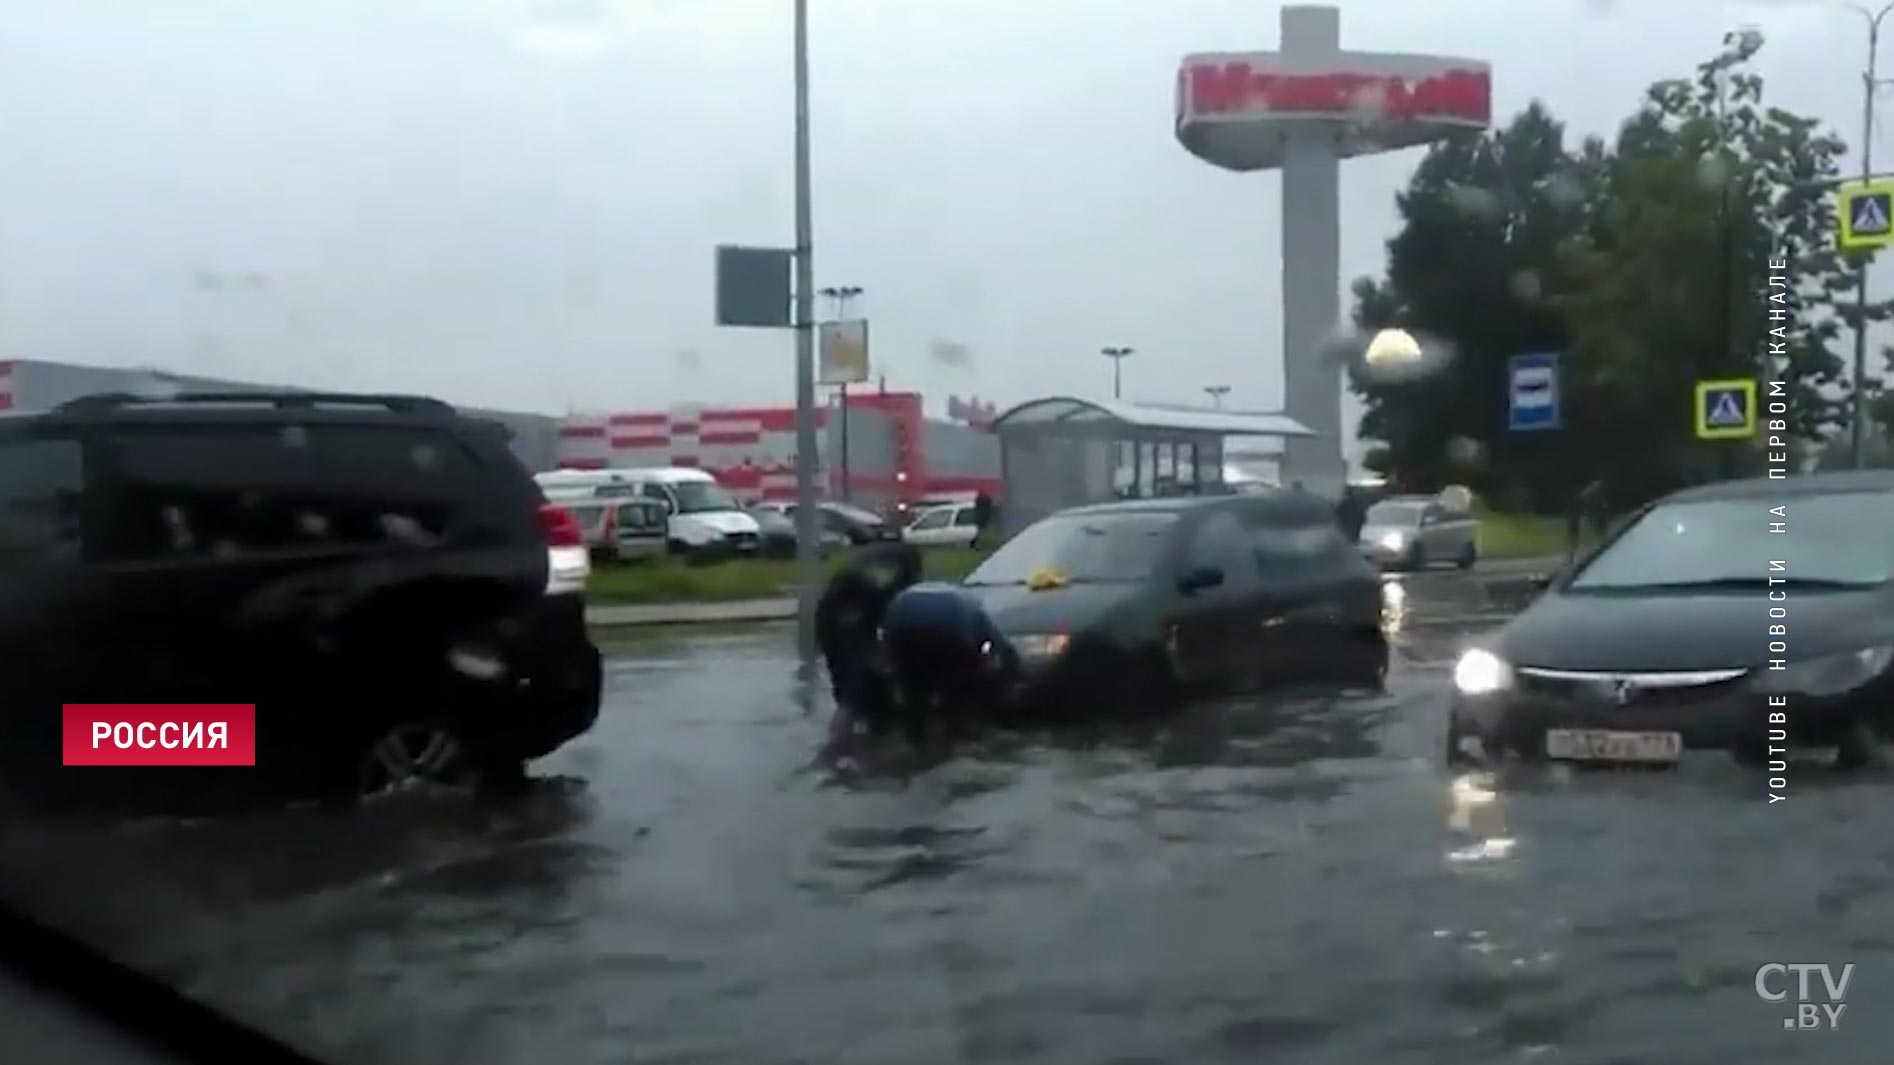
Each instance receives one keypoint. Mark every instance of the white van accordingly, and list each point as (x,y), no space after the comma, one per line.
(704,516)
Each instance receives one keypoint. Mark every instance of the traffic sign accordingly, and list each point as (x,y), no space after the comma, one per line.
(1726,409)
(1533,391)
(1865,215)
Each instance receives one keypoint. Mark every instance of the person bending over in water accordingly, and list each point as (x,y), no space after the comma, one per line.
(848,629)
(949,664)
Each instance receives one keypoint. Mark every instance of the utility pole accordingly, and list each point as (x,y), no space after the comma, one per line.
(808,561)
(1726,221)
(841,294)
(1869,85)
(1216,393)
(1117,357)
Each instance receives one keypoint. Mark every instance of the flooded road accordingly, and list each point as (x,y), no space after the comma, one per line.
(1293,879)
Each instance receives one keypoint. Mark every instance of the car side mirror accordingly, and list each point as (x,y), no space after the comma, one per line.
(1199,579)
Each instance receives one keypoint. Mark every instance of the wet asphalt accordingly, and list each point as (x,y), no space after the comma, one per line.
(1294,878)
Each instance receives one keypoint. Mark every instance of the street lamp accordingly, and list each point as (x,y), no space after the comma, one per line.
(1216,394)
(1117,357)
(841,294)
(1869,83)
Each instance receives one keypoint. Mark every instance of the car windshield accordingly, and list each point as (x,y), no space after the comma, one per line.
(629,766)
(1841,538)
(1396,513)
(701,497)
(1083,548)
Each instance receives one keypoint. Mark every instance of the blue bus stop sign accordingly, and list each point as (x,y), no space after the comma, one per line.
(1532,385)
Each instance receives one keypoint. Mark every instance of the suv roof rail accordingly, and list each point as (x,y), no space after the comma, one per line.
(399,404)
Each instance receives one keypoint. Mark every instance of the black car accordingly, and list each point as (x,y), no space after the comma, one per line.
(852,524)
(1752,616)
(378,576)
(1140,602)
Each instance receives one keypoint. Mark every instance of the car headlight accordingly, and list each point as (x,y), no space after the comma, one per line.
(1829,674)
(1393,540)
(1481,672)
(1041,644)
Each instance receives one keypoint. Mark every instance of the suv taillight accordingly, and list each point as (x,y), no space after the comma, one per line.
(562,529)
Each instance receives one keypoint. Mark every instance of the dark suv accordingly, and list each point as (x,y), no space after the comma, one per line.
(374,573)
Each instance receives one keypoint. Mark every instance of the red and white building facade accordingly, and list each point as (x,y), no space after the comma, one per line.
(895,454)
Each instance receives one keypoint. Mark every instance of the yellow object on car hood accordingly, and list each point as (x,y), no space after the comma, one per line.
(1045,580)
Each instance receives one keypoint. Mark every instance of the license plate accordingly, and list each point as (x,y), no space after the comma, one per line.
(1597,745)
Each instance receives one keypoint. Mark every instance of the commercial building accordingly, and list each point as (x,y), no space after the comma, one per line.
(886,452)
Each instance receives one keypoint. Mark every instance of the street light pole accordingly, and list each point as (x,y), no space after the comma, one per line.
(808,564)
(1869,83)
(1216,393)
(1117,357)
(841,294)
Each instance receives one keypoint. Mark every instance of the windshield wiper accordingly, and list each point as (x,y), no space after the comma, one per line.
(1728,582)
(121,996)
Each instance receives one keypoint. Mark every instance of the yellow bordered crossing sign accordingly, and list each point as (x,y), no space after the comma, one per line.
(1864,215)
(1726,409)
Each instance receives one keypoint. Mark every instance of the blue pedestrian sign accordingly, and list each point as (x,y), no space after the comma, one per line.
(1866,215)
(1533,391)
(1726,409)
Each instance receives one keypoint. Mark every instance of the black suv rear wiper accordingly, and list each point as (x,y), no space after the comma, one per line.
(141,1006)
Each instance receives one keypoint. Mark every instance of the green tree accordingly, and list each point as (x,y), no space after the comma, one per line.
(1705,188)
(1470,273)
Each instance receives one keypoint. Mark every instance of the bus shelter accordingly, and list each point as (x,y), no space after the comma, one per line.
(1061,452)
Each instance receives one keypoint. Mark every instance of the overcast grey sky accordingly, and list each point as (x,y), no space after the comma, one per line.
(513,202)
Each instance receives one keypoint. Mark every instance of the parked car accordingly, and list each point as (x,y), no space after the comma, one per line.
(850,523)
(1659,641)
(1150,600)
(623,530)
(1413,532)
(779,530)
(379,576)
(706,520)
(952,525)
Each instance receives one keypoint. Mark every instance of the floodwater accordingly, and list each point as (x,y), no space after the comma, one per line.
(1281,880)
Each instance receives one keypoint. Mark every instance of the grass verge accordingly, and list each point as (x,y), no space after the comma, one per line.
(668,580)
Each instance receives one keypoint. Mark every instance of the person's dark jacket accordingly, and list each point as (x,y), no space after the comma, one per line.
(1351,514)
(848,620)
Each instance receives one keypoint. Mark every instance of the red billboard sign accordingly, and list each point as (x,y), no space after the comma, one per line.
(1465,94)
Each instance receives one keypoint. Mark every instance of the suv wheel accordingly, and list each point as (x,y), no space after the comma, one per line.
(408,756)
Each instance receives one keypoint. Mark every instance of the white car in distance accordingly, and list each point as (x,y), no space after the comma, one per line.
(951,525)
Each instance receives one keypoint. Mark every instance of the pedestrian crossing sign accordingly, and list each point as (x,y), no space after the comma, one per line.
(1726,409)
(1866,215)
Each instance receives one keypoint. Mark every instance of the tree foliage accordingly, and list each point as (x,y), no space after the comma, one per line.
(1645,262)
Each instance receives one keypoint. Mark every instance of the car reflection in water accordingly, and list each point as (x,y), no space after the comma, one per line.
(1661,641)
